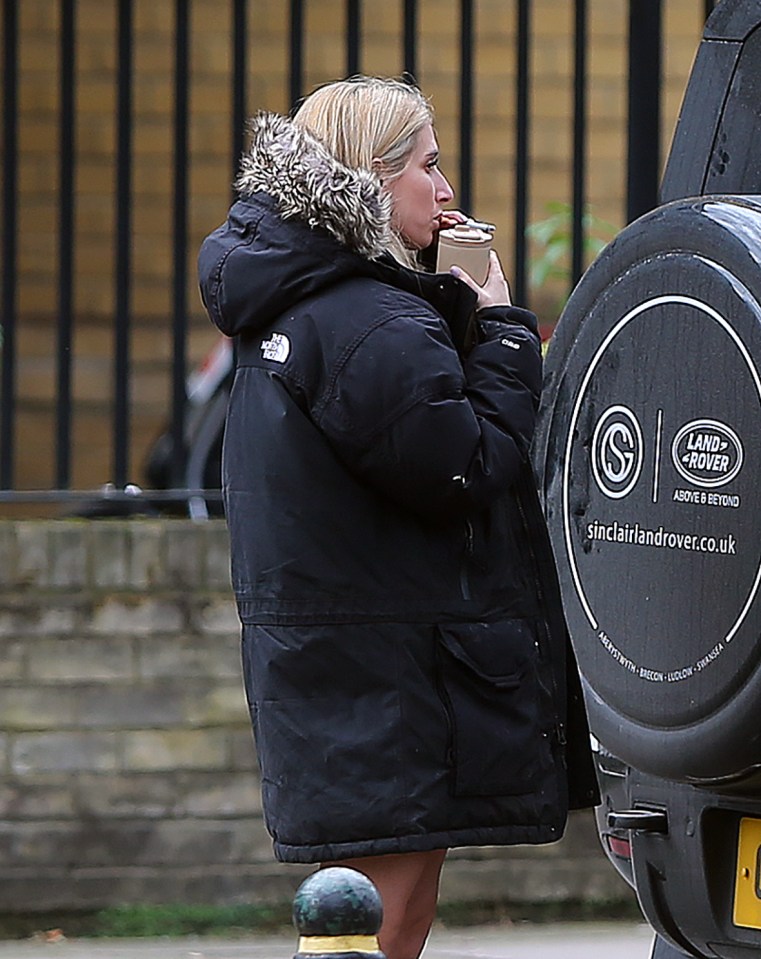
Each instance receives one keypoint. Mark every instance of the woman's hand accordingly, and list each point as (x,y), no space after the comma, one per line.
(450,218)
(495,291)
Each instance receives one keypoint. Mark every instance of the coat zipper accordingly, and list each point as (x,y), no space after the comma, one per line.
(559,727)
(464,577)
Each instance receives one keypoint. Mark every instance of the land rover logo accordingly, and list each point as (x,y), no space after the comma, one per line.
(707,453)
(617,451)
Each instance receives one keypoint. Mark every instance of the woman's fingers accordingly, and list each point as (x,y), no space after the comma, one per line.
(450,218)
(495,290)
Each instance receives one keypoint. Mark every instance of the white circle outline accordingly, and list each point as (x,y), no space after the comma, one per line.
(624,321)
(619,494)
(722,428)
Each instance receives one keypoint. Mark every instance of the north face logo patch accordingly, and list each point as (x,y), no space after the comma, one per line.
(277,348)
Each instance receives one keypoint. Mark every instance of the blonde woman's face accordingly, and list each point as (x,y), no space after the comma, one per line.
(420,192)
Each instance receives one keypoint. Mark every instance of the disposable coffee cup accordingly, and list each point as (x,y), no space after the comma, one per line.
(467,247)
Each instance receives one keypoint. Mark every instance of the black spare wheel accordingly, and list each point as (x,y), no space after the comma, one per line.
(650,454)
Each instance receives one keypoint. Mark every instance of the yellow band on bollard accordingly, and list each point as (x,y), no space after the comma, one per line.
(325,944)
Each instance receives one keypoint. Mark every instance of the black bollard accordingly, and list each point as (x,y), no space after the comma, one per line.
(338,912)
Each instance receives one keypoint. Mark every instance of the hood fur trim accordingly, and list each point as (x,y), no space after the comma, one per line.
(309,183)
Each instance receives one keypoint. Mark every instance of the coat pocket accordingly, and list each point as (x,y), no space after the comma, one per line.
(489,683)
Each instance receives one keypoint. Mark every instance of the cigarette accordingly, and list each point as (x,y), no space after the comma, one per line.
(478,225)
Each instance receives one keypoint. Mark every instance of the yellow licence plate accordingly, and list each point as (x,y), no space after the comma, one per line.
(747,909)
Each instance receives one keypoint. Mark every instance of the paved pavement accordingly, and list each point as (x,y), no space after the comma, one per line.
(612,940)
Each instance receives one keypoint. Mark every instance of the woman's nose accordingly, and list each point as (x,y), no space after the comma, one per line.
(444,193)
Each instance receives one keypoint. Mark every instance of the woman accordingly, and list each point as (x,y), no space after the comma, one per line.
(404,649)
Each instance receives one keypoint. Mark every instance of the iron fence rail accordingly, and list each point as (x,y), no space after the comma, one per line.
(9,237)
(645,32)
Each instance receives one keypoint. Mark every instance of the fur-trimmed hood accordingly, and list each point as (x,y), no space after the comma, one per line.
(310,184)
(303,223)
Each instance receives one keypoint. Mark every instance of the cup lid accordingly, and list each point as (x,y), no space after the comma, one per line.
(462,233)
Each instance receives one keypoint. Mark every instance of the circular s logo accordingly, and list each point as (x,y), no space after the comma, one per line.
(617,452)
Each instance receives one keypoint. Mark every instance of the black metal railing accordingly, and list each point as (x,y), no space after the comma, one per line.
(10,246)
(644,155)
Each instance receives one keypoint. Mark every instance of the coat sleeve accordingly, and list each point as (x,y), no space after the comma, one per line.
(434,432)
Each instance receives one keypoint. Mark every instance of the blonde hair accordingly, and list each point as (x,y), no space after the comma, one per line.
(369,121)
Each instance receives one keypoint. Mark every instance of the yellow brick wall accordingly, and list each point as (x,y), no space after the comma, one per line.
(267,88)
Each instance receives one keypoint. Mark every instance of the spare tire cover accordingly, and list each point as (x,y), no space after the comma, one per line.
(649,450)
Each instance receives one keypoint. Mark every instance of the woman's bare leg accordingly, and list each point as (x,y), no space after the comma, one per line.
(408,884)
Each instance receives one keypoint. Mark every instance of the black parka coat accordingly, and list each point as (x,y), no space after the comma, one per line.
(405,655)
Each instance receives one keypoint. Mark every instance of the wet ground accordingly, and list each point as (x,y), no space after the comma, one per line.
(611,940)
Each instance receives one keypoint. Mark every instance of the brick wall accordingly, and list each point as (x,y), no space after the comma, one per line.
(127,771)
(210,173)
(267,88)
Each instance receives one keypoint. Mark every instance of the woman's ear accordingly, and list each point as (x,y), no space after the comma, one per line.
(377,168)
